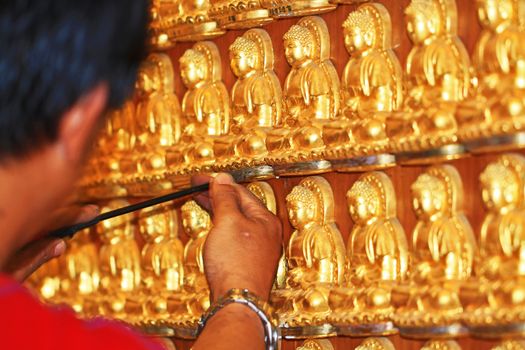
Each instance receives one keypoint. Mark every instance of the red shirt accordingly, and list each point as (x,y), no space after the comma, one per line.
(25,323)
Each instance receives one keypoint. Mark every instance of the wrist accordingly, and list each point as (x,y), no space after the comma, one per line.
(238,313)
(223,310)
(240,283)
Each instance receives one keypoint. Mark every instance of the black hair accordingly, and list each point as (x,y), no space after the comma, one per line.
(54,51)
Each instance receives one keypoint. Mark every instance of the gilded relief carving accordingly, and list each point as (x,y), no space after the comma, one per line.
(378,258)
(443,254)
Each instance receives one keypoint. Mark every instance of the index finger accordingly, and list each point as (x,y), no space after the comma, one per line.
(202,198)
(224,196)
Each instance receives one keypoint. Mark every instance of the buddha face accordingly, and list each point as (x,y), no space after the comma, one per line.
(295,53)
(357,41)
(428,202)
(241,63)
(300,213)
(154,225)
(115,228)
(498,194)
(419,27)
(362,209)
(194,222)
(492,13)
(192,74)
(147,82)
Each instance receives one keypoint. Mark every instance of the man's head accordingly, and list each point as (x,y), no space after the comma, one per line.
(62,63)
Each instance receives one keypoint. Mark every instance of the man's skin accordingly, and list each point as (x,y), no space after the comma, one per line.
(242,250)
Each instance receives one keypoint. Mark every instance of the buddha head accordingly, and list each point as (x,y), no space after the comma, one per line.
(500,187)
(359,31)
(195,220)
(364,202)
(302,207)
(148,80)
(193,68)
(156,223)
(429,197)
(117,228)
(299,44)
(264,192)
(493,13)
(376,344)
(424,20)
(316,344)
(244,56)
(155,75)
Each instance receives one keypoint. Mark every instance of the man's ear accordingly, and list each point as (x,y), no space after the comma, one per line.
(79,123)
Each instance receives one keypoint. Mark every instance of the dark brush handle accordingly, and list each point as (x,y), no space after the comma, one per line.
(71,230)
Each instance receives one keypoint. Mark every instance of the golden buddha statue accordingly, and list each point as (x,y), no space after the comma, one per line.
(110,161)
(241,14)
(188,305)
(299,8)
(162,260)
(316,344)
(264,192)
(311,93)
(494,298)
(316,258)
(442,257)
(175,20)
(499,61)
(371,85)
(376,344)
(441,345)
(378,258)
(438,71)
(510,345)
(158,116)
(206,104)
(81,278)
(119,259)
(256,95)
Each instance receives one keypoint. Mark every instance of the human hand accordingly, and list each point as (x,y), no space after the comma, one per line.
(35,254)
(243,248)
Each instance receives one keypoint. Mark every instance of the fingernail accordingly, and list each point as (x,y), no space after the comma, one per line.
(93,209)
(60,248)
(224,179)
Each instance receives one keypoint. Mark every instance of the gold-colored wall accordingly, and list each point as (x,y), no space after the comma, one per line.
(469,167)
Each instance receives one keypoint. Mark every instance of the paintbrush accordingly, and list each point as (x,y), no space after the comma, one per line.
(71,230)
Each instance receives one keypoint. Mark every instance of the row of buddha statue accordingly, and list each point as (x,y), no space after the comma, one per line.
(117,279)
(318,122)
(440,285)
(383,343)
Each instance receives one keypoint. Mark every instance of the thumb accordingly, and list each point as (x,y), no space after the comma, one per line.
(224,196)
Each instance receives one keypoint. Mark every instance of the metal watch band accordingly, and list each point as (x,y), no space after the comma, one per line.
(261,308)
